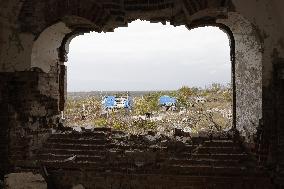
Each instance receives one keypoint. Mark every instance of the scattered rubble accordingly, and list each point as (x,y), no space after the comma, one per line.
(107,153)
(23,180)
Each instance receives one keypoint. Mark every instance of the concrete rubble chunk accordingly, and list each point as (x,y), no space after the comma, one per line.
(26,180)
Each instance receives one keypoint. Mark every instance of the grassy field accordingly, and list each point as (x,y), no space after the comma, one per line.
(197,110)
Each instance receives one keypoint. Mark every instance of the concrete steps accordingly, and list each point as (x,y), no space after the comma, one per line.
(206,162)
(105,152)
(219,150)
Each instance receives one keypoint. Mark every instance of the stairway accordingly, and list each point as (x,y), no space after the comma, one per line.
(219,158)
(100,157)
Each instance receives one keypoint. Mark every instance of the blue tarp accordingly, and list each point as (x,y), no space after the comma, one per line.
(167,101)
(112,102)
(109,102)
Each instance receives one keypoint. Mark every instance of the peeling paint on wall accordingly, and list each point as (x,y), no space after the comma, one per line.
(45,51)
(248,73)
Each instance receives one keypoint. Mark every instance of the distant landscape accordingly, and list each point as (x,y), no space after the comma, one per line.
(80,95)
(196,110)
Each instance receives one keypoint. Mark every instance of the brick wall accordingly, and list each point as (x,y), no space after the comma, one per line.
(29,108)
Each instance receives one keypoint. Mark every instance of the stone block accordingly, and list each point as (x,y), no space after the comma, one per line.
(26,180)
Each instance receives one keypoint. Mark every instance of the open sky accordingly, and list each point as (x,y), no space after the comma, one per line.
(147,56)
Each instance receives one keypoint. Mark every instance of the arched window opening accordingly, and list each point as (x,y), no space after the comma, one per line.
(151,77)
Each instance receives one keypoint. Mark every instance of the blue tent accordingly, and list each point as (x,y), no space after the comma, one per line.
(109,102)
(167,101)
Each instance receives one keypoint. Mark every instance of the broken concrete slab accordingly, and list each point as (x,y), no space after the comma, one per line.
(27,180)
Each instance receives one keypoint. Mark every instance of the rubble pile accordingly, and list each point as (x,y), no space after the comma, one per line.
(99,156)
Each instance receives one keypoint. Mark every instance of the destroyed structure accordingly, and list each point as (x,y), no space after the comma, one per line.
(34,39)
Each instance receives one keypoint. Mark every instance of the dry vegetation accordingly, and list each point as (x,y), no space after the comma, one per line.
(212,113)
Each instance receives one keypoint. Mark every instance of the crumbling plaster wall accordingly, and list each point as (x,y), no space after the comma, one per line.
(29,104)
(268,20)
(30,91)
(266,15)
(15,47)
(29,97)
(248,73)
(45,51)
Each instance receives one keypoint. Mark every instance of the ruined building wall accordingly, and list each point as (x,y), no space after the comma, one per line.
(29,103)
(31,34)
(267,19)
(29,97)
(45,51)
(248,64)
(15,47)
(248,74)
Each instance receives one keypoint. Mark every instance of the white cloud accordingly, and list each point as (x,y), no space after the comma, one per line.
(147,56)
